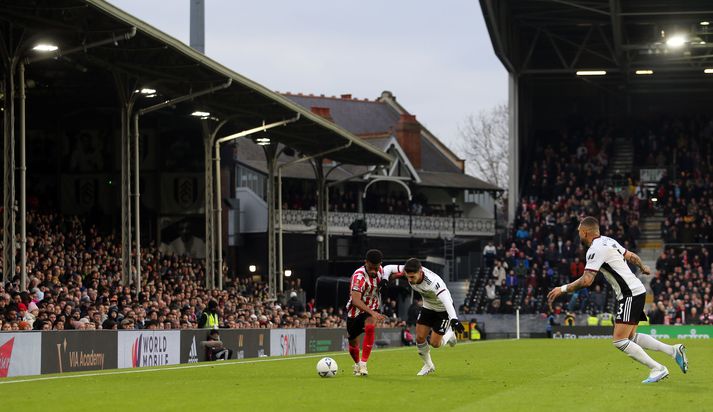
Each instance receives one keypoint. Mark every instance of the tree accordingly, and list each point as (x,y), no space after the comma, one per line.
(485,142)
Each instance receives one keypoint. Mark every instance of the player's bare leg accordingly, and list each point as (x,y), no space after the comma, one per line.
(621,341)
(436,340)
(677,352)
(424,349)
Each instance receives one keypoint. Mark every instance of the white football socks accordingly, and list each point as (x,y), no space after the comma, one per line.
(424,351)
(649,342)
(637,353)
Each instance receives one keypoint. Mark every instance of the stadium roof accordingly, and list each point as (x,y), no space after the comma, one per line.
(557,38)
(376,122)
(153,59)
(378,119)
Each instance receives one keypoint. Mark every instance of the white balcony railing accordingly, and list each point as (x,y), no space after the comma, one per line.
(391,225)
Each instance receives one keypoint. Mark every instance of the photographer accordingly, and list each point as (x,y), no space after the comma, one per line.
(215,350)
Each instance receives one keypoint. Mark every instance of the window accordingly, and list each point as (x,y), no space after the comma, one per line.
(473,196)
(252,180)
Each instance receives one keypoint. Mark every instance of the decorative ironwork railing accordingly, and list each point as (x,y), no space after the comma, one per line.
(391,225)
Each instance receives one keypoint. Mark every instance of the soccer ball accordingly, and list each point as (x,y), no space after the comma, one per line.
(327,367)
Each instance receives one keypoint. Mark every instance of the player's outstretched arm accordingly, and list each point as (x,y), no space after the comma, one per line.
(584,281)
(393,272)
(634,259)
(444,295)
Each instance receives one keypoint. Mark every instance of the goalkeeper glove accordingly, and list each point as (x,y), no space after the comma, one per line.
(457,326)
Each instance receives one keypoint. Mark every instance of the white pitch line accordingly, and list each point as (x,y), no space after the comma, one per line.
(201,365)
(185,366)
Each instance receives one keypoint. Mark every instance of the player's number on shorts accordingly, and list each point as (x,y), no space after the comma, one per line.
(621,310)
(444,324)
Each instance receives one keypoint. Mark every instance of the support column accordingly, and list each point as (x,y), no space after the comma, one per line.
(514,149)
(320,182)
(271,157)
(125,194)
(8,232)
(210,209)
(137,204)
(23,180)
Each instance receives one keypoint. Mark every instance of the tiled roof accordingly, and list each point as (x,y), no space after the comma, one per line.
(357,116)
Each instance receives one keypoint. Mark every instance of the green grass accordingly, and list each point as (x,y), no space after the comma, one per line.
(572,375)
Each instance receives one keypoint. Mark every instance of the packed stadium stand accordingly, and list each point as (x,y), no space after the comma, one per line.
(572,180)
(566,182)
(75,283)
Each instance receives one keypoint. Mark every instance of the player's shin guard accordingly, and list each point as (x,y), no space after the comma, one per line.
(354,351)
(635,352)
(649,342)
(368,342)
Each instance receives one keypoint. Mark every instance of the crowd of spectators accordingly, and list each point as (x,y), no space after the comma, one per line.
(566,182)
(666,141)
(75,283)
(683,148)
(683,287)
(687,204)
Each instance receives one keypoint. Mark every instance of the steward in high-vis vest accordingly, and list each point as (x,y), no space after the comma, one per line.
(474,331)
(606,319)
(209,318)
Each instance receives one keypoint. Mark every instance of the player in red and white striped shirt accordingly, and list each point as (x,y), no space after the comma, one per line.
(362,308)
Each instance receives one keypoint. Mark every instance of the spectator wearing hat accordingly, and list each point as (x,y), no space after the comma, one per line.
(127,324)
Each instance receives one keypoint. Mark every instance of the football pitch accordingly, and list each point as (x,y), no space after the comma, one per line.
(530,375)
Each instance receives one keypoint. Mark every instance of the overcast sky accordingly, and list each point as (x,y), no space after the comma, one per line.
(436,57)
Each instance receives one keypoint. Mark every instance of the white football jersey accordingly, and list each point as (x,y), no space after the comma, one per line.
(430,287)
(606,255)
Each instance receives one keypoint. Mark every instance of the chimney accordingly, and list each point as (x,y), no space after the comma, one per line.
(347,96)
(408,133)
(197,28)
(323,112)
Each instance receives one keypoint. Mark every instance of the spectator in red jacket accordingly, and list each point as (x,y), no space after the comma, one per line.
(576,268)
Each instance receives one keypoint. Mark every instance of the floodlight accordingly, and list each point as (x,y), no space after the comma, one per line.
(676,41)
(45,47)
(202,115)
(591,72)
(263,141)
